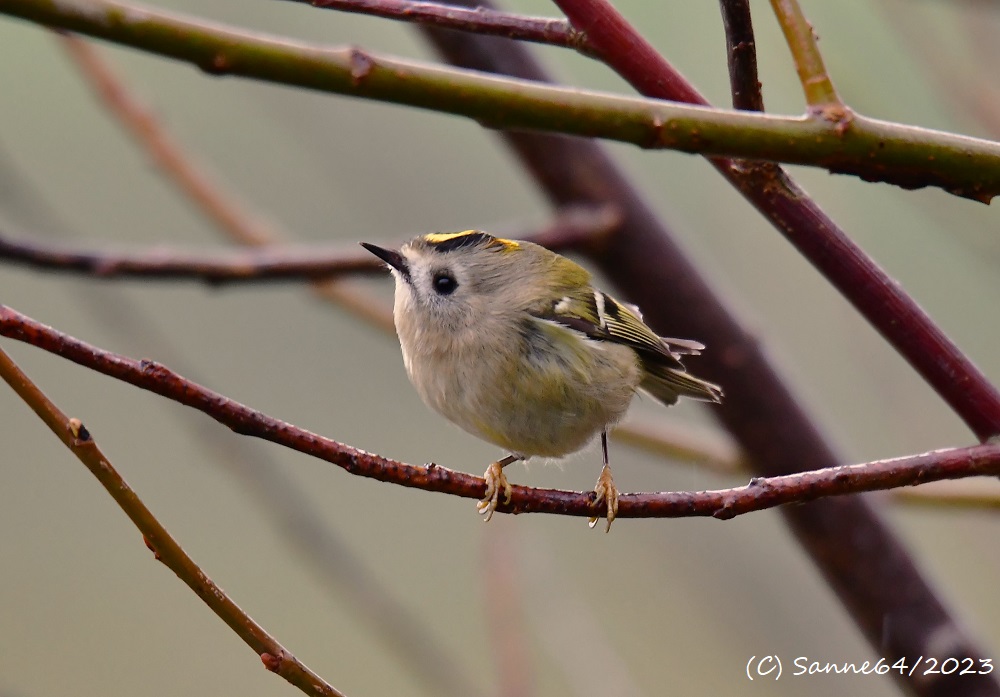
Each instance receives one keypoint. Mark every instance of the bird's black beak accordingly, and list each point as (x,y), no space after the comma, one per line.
(390,257)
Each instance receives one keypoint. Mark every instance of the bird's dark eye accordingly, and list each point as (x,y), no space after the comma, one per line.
(444,283)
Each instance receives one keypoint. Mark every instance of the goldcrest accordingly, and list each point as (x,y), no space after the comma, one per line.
(512,343)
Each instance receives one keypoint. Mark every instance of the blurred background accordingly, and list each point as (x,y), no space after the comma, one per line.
(657,606)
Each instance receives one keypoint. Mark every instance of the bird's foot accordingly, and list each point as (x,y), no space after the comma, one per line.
(496,481)
(606,492)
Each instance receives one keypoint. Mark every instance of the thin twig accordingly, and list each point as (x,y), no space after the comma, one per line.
(683,443)
(876,150)
(284,263)
(821,96)
(686,444)
(760,494)
(74,436)
(481,20)
(741,53)
(273,263)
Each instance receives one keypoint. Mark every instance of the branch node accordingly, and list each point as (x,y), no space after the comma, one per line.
(152,368)
(219,64)
(271,662)
(78,430)
(840,115)
(149,545)
(361,65)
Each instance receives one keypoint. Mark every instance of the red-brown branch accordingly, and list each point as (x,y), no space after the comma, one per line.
(573,228)
(759,494)
(286,263)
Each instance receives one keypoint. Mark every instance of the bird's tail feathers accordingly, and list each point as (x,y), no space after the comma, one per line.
(683,346)
(667,384)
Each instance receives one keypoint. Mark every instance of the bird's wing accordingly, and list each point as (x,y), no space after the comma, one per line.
(599,316)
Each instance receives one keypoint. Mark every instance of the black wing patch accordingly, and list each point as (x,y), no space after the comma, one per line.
(601,317)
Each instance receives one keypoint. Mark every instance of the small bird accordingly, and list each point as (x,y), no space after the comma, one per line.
(512,343)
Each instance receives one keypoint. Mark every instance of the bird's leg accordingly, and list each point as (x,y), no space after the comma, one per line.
(495,481)
(606,490)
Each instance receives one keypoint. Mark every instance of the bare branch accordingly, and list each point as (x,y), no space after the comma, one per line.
(760,494)
(75,437)
(741,53)
(481,20)
(686,444)
(875,150)
(285,263)
(574,228)
(821,96)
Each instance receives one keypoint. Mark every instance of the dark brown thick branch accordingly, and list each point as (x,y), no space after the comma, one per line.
(741,53)
(760,494)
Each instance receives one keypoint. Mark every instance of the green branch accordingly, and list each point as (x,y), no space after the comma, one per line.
(816,83)
(873,150)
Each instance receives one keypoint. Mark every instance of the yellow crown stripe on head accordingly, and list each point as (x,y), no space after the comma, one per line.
(447,241)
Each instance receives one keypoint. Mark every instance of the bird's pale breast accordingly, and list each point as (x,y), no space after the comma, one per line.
(545,391)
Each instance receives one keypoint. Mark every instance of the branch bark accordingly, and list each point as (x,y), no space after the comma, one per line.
(741,54)
(821,96)
(759,494)
(875,150)
(571,229)
(480,20)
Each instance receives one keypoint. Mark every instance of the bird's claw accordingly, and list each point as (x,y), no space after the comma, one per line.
(606,492)
(496,481)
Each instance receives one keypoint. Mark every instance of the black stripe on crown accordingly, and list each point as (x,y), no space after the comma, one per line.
(449,242)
